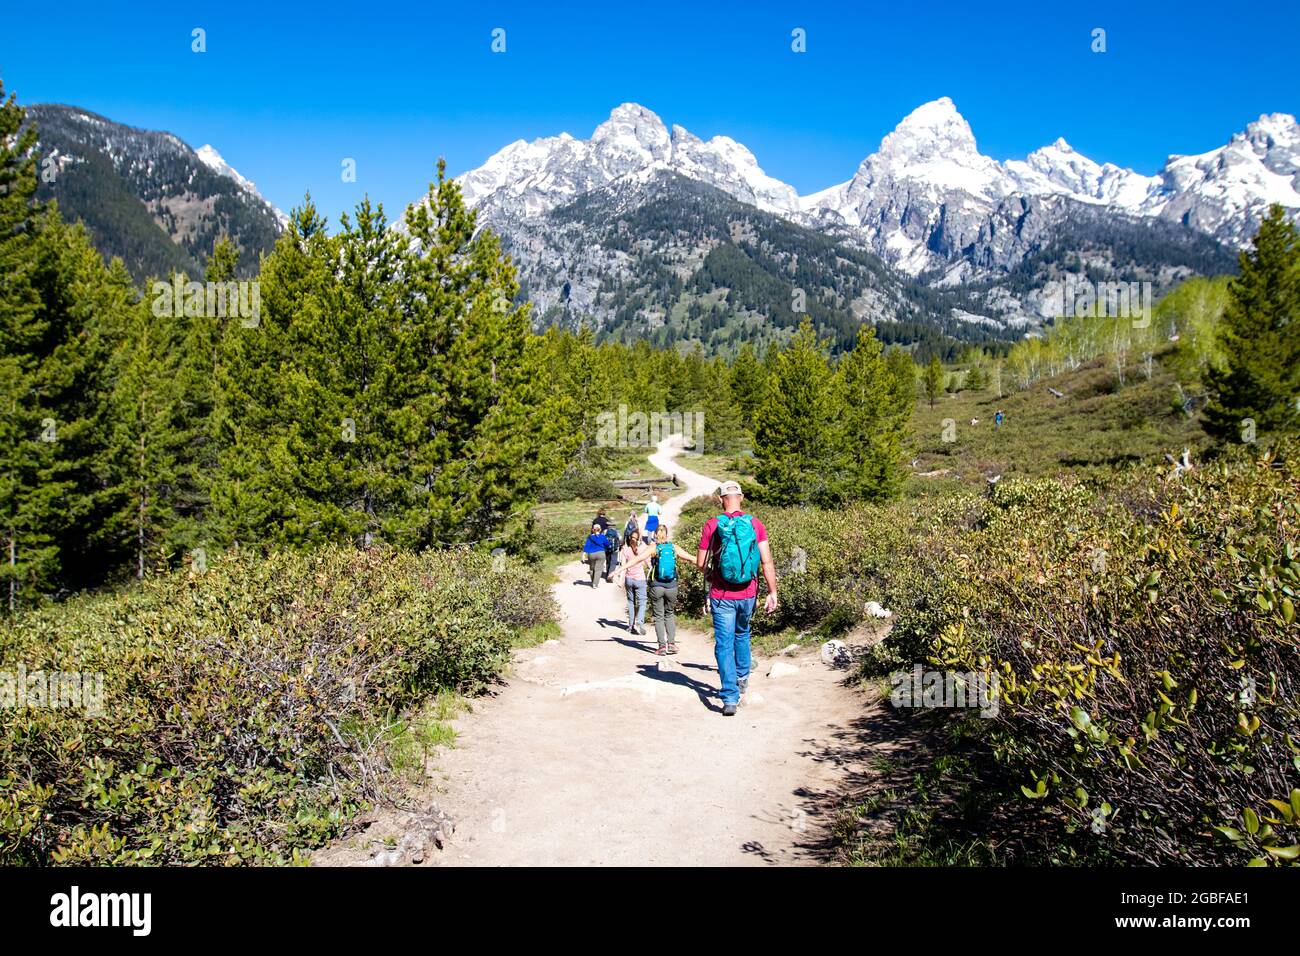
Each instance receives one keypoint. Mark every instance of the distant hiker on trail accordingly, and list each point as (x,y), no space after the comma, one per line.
(602,520)
(663,586)
(652,509)
(732,547)
(630,526)
(997,419)
(612,544)
(593,552)
(633,575)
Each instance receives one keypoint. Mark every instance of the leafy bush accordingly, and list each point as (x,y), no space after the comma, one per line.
(560,538)
(1143,636)
(1146,649)
(577,484)
(247,709)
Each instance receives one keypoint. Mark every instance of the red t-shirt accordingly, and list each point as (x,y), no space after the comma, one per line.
(718,588)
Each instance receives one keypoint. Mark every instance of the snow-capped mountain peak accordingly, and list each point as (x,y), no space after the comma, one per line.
(1224,192)
(927,196)
(1060,169)
(214,161)
(1272,131)
(931,130)
(933,152)
(209,156)
(925,200)
(632,137)
(529,179)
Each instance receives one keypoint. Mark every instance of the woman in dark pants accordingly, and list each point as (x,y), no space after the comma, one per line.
(593,552)
(612,544)
(664,558)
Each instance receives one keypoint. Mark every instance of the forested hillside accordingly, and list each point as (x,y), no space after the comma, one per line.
(144,196)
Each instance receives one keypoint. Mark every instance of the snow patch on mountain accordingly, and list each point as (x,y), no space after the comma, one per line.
(212,159)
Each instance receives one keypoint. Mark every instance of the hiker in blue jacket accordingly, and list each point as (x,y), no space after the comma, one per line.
(663,558)
(593,552)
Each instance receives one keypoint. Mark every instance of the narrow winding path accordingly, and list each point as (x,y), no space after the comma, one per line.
(599,752)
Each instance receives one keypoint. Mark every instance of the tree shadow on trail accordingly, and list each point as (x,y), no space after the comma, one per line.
(880,749)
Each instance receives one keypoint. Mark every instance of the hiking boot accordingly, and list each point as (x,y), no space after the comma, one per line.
(728,710)
(743,684)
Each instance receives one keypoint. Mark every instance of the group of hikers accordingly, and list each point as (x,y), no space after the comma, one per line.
(733,549)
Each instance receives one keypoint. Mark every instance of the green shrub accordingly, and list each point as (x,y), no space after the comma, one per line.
(1145,645)
(1143,635)
(1146,648)
(560,538)
(247,709)
(578,484)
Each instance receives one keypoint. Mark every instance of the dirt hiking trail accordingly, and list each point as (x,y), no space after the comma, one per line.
(598,752)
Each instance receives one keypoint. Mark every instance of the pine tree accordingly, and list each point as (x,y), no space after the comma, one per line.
(86,306)
(147,439)
(723,426)
(933,380)
(54,295)
(266,413)
(591,382)
(748,385)
(795,427)
(902,370)
(504,436)
(30,559)
(390,392)
(1260,377)
(870,425)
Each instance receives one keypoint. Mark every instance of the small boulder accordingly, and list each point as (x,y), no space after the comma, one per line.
(835,654)
(780,669)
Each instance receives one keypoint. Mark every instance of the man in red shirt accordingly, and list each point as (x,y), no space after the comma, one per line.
(732,603)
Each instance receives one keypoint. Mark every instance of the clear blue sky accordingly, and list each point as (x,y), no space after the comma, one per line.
(286,93)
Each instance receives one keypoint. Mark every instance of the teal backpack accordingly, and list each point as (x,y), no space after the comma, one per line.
(666,563)
(737,549)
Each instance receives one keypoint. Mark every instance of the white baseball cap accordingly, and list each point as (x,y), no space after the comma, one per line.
(729,488)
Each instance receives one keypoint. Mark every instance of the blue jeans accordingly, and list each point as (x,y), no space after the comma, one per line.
(731,643)
(636,590)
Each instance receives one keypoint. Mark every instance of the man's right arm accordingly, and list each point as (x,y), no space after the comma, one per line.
(769,575)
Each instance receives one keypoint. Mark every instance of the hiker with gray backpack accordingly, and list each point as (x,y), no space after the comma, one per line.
(733,548)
